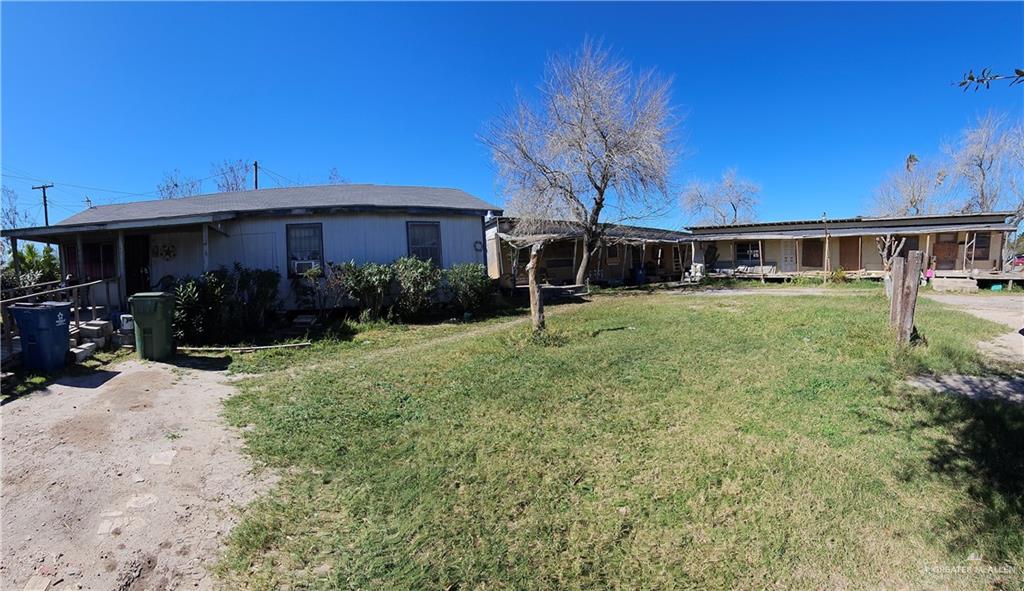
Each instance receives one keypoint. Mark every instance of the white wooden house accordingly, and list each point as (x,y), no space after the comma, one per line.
(142,245)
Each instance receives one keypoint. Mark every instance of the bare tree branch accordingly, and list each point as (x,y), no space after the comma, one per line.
(177,185)
(731,201)
(986,77)
(982,163)
(911,190)
(595,150)
(231,175)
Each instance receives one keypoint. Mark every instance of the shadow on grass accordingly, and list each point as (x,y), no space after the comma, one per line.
(984,452)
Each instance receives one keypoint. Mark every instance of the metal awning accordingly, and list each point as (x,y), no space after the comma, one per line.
(50,233)
(863,231)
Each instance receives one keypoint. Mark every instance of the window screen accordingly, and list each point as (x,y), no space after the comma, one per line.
(305,243)
(982,246)
(748,254)
(425,240)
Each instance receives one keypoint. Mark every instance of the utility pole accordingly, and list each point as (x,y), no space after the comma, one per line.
(256,174)
(46,211)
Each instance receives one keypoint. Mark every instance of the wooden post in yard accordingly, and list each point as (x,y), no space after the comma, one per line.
(760,257)
(896,277)
(78,320)
(536,298)
(908,297)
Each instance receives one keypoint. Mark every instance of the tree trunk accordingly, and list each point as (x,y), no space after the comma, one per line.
(536,299)
(582,272)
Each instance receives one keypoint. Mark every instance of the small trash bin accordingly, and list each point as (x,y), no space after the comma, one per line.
(44,334)
(153,314)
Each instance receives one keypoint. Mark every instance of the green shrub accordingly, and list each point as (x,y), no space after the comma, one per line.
(469,285)
(223,305)
(838,276)
(418,283)
(368,284)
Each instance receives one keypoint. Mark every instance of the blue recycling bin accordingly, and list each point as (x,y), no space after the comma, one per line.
(44,334)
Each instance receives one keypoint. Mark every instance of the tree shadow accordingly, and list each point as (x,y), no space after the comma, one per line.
(216,362)
(23,382)
(983,451)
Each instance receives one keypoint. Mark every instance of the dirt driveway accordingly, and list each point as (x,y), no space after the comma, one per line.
(123,479)
(1007,310)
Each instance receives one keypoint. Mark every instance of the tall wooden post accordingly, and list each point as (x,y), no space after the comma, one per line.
(80,256)
(896,277)
(536,297)
(15,259)
(908,296)
(206,248)
(122,282)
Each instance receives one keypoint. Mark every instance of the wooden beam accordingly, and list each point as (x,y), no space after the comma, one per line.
(122,282)
(80,256)
(206,248)
(14,258)
(897,277)
(908,296)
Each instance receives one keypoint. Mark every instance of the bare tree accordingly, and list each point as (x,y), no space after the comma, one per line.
(334,177)
(889,248)
(595,150)
(730,201)
(982,163)
(11,217)
(911,190)
(231,175)
(177,185)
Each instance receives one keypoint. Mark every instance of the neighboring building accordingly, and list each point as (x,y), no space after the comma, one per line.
(954,244)
(139,246)
(624,252)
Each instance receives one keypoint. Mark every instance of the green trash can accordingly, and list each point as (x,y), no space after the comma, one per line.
(153,314)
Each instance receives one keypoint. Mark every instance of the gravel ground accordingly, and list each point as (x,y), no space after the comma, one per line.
(122,479)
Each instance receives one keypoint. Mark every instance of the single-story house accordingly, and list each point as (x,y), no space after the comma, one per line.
(954,244)
(623,253)
(136,247)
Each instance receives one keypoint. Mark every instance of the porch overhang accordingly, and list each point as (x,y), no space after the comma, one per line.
(863,231)
(58,232)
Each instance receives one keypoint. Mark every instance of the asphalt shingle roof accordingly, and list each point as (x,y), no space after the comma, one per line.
(322,196)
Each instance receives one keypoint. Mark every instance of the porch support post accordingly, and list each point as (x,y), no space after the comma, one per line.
(799,247)
(80,256)
(122,283)
(682,263)
(860,253)
(927,251)
(760,257)
(14,258)
(206,248)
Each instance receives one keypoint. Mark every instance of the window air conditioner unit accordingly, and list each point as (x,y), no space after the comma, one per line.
(300,267)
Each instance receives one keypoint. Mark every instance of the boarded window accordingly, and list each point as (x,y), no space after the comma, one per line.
(305,247)
(613,251)
(425,240)
(748,254)
(812,252)
(911,243)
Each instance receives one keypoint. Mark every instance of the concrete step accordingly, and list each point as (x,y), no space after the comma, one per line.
(96,329)
(961,284)
(84,351)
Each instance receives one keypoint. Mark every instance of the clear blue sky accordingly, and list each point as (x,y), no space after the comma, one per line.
(813,101)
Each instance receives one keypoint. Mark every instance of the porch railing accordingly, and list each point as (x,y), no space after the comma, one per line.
(71,293)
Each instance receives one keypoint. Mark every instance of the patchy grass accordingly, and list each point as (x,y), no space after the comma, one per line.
(681,441)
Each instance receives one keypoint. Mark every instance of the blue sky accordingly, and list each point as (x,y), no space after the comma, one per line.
(816,102)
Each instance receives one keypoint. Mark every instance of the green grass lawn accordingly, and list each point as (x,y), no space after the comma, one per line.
(649,442)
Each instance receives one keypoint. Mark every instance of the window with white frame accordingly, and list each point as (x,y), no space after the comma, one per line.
(305,243)
(425,240)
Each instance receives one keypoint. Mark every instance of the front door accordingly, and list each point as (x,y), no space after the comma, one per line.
(136,264)
(849,253)
(788,262)
(945,251)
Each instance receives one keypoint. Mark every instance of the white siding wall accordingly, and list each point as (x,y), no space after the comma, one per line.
(261,242)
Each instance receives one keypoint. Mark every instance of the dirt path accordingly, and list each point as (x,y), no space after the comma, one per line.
(123,479)
(1007,310)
